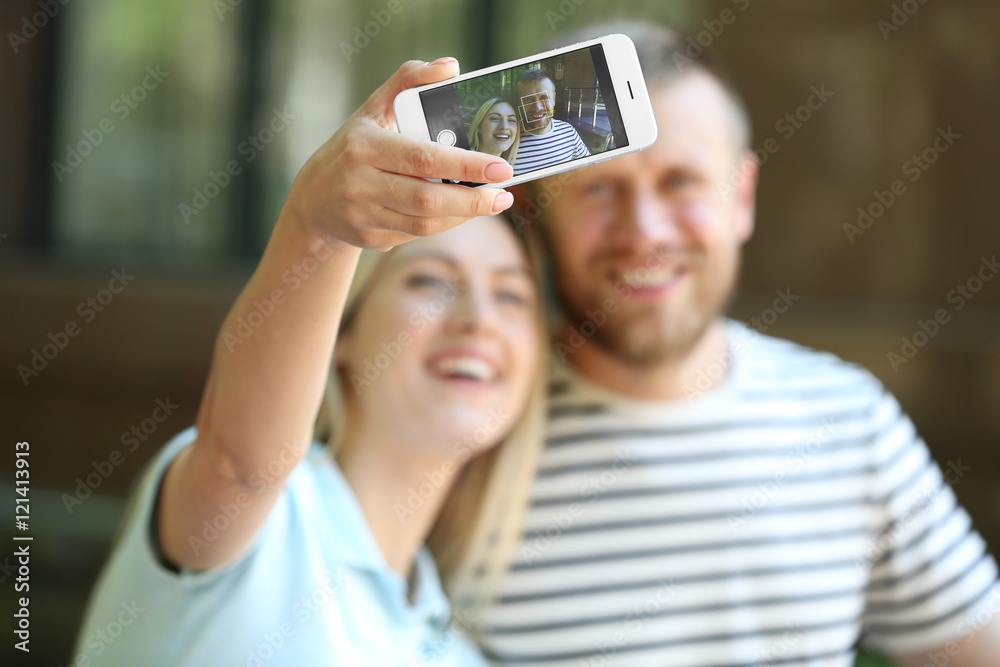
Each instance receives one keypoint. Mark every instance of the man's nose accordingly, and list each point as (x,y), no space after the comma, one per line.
(647,221)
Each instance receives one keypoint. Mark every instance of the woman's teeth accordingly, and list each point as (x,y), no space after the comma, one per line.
(501,136)
(466,367)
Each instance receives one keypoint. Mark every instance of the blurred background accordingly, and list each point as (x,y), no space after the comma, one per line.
(159,139)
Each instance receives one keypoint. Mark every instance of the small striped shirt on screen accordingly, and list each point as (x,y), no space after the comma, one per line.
(781,518)
(560,145)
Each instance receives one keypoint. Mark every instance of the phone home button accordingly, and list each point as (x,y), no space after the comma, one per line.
(446,137)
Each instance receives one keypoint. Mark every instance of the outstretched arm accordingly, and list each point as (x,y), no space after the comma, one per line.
(364,188)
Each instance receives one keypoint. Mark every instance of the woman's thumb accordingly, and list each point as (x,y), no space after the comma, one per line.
(410,74)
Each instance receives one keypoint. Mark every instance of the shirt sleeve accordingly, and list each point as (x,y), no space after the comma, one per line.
(579,148)
(931,578)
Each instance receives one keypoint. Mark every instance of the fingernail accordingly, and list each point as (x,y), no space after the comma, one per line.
(442,61)
(502,201)
(499,171)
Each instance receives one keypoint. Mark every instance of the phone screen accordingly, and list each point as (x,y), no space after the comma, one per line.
(534,115)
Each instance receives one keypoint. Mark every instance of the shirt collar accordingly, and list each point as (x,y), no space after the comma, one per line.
(351,543)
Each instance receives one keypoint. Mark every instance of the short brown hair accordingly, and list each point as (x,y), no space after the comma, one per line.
(663,57)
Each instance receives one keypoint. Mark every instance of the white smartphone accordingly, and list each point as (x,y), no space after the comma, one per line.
(545,114)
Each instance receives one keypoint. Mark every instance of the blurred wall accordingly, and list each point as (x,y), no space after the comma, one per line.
(892,83)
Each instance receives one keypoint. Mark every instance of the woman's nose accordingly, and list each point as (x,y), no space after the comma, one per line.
(472,310)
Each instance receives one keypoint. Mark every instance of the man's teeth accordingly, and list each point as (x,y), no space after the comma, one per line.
(469,367)
(646,278)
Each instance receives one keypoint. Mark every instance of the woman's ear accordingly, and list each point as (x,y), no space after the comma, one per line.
(342,348)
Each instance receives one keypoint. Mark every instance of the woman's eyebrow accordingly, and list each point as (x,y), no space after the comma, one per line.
(427,254)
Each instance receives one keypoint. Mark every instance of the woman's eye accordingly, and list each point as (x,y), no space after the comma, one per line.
(424,280)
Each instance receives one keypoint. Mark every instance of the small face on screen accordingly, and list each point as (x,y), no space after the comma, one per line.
(535,115)
(537,105)
(494,129)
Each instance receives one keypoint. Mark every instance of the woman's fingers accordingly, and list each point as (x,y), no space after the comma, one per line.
(417,197)
(397,154)
(409,75)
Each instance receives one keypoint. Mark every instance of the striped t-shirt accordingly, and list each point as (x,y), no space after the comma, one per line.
(781,518)
(562,143)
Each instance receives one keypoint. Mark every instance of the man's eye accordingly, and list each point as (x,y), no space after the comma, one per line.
(677,181)
(511,297)
(597,188)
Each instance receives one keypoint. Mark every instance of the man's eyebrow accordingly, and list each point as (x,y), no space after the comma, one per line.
(518,269)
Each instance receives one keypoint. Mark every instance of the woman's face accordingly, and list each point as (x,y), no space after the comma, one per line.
(442,352)
(498,131)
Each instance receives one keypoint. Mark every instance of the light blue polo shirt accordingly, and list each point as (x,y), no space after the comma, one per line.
(312,589)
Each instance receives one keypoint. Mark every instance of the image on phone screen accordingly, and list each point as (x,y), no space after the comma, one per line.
(534,115)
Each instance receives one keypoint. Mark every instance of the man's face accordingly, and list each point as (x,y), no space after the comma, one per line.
(654,232)
(538,99)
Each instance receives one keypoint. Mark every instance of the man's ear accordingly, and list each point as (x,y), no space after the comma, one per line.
(746,197)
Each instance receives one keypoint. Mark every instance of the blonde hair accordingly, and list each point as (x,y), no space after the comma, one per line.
(479,526)
(511,153)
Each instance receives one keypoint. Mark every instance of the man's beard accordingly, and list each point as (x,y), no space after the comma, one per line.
(654,335)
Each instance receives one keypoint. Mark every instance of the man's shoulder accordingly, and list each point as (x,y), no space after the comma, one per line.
(767,359)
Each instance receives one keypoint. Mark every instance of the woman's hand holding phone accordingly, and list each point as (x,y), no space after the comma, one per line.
(366,185)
